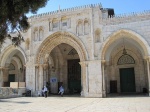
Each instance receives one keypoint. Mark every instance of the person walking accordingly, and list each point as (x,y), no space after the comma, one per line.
(45,91)
(61,90)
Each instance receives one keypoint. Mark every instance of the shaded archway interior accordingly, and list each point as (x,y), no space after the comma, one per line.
(14,70)
(63,69)
(127,76)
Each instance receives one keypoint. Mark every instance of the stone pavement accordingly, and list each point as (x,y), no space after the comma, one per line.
(76,104)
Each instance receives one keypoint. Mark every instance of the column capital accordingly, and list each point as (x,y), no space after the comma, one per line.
(147,57)
(103,61)
(36,65)
(2,68)
(83,63)
(43,65)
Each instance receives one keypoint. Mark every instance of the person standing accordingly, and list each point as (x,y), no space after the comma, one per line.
(45,91)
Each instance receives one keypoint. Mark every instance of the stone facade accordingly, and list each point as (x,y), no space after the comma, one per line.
(90,34)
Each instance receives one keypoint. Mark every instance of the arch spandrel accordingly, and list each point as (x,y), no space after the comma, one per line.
(128,34)
(61,37)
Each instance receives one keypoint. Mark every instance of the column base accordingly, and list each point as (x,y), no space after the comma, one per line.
(104,94)
(91,95)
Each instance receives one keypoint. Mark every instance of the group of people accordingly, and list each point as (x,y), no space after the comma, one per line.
(45,91)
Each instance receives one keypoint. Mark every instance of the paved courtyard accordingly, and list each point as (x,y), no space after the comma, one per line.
(76,104)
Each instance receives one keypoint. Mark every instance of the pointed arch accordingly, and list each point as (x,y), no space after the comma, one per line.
(58,38)
(8,51)
(138,39)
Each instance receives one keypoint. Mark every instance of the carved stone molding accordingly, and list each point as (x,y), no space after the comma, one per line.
(103,61)
(119,35)
(4,68)
(147,58)
(57,38)
(1,68)
(83,64)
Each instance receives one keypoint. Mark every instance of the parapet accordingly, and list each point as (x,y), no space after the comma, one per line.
(67,10)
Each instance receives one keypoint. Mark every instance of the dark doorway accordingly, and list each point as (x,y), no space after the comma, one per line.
(127,80)
(74,76)
(11,78)
(113,86)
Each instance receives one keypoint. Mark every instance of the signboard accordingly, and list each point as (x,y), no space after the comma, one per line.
(53,80)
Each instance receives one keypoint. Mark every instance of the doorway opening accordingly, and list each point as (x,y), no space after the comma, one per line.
(74,76)
(127,80)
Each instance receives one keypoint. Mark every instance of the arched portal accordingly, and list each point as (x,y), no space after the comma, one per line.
(124,56)
(12,66)
(63,49)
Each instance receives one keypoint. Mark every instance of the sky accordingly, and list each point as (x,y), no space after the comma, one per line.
(119,6)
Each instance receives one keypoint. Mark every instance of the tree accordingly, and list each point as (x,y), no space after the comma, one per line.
(13,17)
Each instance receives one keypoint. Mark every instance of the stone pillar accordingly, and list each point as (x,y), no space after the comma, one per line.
(45,74)
(103,78)
(5,74)
(30,77)
(92,34)
(95,78)
(1,77)
(84,79)
(148,74)
(61,78)
(36,77)
(41,77)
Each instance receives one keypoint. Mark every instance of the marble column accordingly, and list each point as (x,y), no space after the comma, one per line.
(45,74)
(84,79)
(41,83)
(36,77)
(103,79)
(148,74)
(1,77)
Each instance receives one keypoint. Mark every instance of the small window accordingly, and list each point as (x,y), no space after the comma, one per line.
(64,24)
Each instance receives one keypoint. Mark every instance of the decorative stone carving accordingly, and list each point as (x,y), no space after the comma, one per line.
(53,41)
(126,59)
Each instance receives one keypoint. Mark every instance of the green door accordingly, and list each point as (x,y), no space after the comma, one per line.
(74,76)
(127,80)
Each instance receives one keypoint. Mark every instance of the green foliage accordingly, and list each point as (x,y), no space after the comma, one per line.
(13,15)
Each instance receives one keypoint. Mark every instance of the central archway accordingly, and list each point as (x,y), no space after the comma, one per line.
(55,43)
